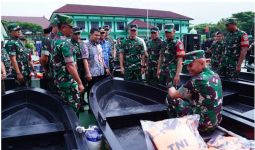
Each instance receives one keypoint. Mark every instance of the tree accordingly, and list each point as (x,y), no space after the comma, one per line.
(245,21)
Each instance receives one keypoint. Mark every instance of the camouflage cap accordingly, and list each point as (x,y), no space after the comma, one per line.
(54,22)
(191,56)
(13,27)
(169,27)
(76,30)
(230,21)
(133,27)
(64,19)
(155,29)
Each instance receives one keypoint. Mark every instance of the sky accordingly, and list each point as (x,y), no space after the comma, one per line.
(202,11)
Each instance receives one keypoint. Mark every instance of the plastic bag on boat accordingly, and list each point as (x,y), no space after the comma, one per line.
(174,134)
(230,143)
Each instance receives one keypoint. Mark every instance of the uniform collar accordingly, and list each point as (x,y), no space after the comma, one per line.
(93,43)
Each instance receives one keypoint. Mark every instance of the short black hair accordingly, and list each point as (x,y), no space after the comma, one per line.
(217,33)
(93,30)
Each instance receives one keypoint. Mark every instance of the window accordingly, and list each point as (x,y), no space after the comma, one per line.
(94,24)
(159,25)
(108,23)
(80,24)
(120,25)
(176,27)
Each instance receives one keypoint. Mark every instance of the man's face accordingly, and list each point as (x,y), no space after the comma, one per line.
(54,29)
(154,35)
(66,30)
(195,67)
(16,33)
(231,27)
(170,35)
(95,36)
(107,32)
(102,35)
(219,37)
(76,36)
(132,33)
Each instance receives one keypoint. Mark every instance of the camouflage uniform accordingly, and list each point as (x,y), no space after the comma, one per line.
(64,53)
(112,44)
(233,42)
(47,49)
(6,60)
(217,49)
(202,95)
(14,47)
(170,51)
(132,50)
(154,47)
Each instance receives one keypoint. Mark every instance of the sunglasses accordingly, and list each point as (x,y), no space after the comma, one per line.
(153,32)
(102,32)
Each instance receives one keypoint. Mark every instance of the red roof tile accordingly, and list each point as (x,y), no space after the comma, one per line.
(42,21)
(134,12)
(140,24)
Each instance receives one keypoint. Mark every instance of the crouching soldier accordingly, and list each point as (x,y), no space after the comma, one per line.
(202,94)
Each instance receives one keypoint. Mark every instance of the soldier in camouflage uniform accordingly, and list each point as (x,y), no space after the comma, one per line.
(153,49)
(66,77)
(171,57)
(217,51)
(236,46)
(18,56)
(46,58)
(6,60)
(108,38)
(202,94)
(132,56)
(78,46)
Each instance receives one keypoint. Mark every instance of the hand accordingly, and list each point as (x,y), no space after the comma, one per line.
(238,69)
(3,76)
(158,73)
(176,80)
(108,72)
(172,92)
(142,70)
(89,77)
(122,70)
(81,88)
(20,77)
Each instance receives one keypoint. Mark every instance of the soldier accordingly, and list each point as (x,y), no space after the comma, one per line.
(18,56)
(108,38)
(153,49)
(132,56)
(46,58)
(106,47)
(6,60)
(202,94)
(236,46)
(66,77)
(217,51)
(78,46)
(170,59)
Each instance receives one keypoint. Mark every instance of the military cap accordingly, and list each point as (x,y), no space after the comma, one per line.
(133,27)
(155,29)
(169,27)
(13,27)
(230,21)
(64,19)
(54,22)
(76,30)
(106,27)
(193,55)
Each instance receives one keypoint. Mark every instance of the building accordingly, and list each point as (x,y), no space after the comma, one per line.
(86,17)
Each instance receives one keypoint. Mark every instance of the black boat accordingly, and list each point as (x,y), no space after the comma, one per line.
(119,106)
(32,118)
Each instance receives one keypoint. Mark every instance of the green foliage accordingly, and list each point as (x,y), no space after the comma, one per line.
(245,22)
(25,26)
